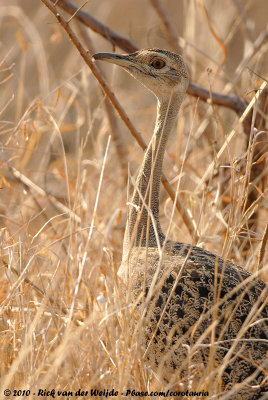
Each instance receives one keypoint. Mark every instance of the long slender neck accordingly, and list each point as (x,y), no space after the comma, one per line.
(140,230)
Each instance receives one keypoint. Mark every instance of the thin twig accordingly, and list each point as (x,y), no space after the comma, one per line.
(230,136)
(37,189)
(245,20)
(262,249)
(167,23)
(214,34)
(53,302)
(118,143)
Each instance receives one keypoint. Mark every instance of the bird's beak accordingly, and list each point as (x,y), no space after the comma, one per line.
(122,60)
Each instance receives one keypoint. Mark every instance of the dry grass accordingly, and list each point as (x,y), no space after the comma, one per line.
(63,322)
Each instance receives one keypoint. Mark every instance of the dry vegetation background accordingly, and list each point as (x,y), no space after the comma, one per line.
(63,180)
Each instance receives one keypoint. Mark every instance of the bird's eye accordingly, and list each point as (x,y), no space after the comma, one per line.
(158,63)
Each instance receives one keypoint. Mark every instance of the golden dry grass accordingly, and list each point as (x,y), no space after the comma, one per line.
(64,324)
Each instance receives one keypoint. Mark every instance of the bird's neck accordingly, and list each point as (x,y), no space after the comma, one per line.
(143,226)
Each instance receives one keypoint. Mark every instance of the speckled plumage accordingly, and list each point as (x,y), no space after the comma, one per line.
(183,306)
(200,315)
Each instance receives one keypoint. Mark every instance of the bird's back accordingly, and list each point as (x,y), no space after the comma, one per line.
(198,306)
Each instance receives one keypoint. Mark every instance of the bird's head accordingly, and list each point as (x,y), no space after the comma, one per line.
(161,71)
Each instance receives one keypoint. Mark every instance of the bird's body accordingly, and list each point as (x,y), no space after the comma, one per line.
(196,308)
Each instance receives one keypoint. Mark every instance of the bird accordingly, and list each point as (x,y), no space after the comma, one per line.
(201,316)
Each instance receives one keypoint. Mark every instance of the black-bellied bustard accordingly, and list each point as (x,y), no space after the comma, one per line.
(192,299)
